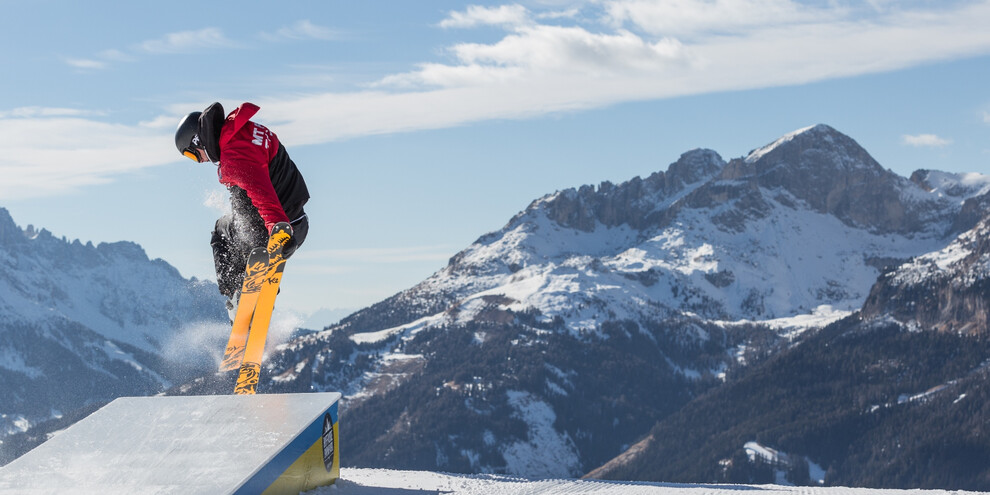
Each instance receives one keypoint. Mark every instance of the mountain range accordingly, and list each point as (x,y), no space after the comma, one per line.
(797,315)
(82,324)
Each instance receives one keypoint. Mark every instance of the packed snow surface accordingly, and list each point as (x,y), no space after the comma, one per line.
(387,482)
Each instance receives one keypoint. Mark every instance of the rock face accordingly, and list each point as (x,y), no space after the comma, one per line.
(637,203)
(820,168)
(831,174)
(946,290)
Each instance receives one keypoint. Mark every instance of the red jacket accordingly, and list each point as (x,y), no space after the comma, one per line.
(246,149)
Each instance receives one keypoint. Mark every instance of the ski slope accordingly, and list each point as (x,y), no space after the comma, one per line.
(387,482)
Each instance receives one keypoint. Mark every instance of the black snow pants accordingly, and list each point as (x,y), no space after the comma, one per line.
(240,231)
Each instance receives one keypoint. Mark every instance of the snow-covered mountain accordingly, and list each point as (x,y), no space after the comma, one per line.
(552,345)
(802,226)
(946,290)
(805,222)
(81,324)
(896,395)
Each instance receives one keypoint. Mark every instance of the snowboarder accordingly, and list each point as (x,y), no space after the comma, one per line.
(265,187)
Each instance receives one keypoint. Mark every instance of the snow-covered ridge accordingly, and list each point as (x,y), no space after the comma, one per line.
(963,185)
(971,181)
(959,260)
(781,266)
(111,288)
(942,290)
(103,318)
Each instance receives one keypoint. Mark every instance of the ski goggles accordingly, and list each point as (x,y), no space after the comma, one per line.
(191,154)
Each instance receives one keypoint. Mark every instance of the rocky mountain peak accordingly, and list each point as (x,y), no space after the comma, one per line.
(635,202)
(832,174)
(920,178)
(797,147)
(122,249)
(816,150)
(816,167)
(693,166)
(9,231)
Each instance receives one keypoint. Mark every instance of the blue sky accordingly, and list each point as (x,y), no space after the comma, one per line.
(420,126)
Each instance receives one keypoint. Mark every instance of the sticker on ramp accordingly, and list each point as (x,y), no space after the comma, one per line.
(327,442)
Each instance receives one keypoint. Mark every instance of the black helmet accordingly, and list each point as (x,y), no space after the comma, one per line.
(187,134)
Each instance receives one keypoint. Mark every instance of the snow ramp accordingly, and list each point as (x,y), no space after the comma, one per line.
(231,444)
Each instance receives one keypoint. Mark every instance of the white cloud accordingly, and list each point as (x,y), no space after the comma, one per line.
(102,60)
(692,18)
(538,68)
(925,141)
(532,70)
(475,15)
(28,112)
(114,55)
(162,122)
(302,30)
(572,49)
(86,63)
(538,51)
(187,42)
(51,155)
(181,42)
(561,14)
(986,117)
